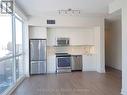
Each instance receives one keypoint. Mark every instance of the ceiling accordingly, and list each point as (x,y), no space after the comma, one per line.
(40,7)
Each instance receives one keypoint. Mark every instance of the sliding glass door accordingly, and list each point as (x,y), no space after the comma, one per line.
(6,53)
(11,51)
(19,47)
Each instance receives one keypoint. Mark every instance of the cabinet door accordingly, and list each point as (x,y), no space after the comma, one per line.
(82,38)
(89,63)
(51,64)
(37,32)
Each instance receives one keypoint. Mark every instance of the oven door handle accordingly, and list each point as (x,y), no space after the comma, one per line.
(63,57)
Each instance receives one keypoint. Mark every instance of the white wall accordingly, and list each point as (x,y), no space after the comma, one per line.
(114,44)
(67,21)
(100,49)
(20,13)
(26,49)
(122,4)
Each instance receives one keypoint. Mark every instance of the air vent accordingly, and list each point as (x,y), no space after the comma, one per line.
(50,21)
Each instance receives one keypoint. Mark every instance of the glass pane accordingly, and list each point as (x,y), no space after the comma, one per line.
(6,74)
(19,67)
(64,62)
(5,36)
(18,24)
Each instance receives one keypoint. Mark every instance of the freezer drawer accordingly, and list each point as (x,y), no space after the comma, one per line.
(38,67)
(43,67)
(76,62)
(34,68)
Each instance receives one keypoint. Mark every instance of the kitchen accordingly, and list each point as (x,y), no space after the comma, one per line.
(60,47)
(79,49)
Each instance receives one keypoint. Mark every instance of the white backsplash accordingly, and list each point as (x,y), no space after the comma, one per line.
(74,50)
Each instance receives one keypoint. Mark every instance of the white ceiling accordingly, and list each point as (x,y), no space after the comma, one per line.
(40,7)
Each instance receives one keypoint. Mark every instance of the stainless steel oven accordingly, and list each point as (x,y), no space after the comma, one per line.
(63,63)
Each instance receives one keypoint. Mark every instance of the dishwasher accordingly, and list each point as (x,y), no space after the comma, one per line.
(76,62)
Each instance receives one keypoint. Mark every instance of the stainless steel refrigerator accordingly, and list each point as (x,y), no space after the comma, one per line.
(38,56)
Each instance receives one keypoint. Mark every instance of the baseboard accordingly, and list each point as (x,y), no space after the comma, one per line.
(101,71)
(10,90)
(27,75)
(123,92)
(51,72)
(117,68)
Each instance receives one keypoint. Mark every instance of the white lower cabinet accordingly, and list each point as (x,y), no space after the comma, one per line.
(89,63)
(51,64)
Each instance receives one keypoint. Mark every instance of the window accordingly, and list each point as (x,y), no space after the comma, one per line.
(5,36)
(19,47)
(19,26)
(11,51)
(6,51)
(19,67)
(6,74)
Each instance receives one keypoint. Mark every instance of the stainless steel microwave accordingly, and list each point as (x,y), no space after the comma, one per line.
(62,41)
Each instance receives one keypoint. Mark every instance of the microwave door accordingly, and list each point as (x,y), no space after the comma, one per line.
(61,42)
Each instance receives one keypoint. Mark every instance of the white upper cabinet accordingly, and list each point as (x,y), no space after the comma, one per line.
(82,37)
(77,36)
(36,32)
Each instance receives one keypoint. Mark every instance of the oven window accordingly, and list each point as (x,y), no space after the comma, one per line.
(64,62)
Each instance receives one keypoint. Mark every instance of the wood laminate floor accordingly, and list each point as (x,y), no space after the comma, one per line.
(75,83)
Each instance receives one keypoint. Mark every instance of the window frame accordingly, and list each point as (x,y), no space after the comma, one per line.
(14,54)
(17,17)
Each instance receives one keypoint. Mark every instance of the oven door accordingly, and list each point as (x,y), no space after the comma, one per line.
(63,63)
